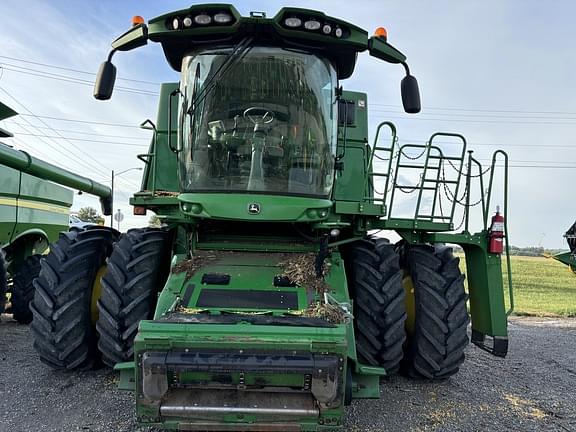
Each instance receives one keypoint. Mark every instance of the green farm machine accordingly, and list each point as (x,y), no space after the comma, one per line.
(268,300)
(569,258)
(34,209)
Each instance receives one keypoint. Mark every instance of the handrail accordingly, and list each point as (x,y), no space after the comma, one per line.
(370,166)
(506,241)
(480,175)
(464,145)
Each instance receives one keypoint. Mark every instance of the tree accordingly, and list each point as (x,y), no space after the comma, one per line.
(90,214)
(154,221)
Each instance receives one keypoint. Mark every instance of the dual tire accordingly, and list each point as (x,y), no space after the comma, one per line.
(434,346)
(70,290)
(3,282)
(22,290)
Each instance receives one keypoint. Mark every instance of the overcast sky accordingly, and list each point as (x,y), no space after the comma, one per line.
(499,72)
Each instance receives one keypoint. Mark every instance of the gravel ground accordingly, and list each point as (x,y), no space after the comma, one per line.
(533,389)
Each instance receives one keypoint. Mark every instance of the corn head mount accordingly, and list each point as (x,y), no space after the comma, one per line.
(266,301)
(569,258)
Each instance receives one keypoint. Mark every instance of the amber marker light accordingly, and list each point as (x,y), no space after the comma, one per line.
(136,20)
(381,33)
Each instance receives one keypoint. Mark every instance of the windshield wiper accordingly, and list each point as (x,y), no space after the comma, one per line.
(237,53)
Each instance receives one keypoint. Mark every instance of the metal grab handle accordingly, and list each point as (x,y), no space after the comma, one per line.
(506,236)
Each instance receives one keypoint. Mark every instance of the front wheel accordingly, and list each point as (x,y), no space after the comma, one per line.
(136,273)
(437,333)
(375,284)
(64,303)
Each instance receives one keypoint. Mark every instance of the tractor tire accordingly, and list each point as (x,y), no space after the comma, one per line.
(375,284)
(137,271)
(3,282)
(62,328)
(23,288)
(435,349)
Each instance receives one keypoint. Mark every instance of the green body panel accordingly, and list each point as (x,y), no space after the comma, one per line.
(161,162)
(486,289)
(353,150)
(236,206)
(31,208)
(10,188)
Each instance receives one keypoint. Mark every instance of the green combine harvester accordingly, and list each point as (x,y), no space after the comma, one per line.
(34,209)
(265,302)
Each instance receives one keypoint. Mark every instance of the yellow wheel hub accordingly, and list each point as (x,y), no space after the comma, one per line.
(410,304)
(96,292)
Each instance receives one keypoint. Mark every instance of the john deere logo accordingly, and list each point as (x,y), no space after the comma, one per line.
(254,208)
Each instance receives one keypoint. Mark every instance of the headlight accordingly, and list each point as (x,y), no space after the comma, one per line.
(222,18)
(312,25)
(327,29)
(176,24)
(338,32)
(293,22)
(187,22)
(203,19)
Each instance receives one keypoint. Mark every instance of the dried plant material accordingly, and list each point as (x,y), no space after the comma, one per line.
(165,193)
(301,270)
(326,311)
(190,266)
(187,310)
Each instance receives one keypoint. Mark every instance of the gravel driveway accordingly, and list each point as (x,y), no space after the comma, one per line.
(533,389)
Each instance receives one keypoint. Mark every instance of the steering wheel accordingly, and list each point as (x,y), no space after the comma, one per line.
(257,118)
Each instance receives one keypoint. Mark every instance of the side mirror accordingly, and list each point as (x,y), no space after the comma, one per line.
(410,94)
(105,81)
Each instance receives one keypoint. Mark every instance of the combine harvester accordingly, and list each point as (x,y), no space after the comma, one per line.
(263,303)
(34,209)
(569,258)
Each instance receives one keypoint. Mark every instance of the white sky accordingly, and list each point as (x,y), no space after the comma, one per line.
(499,72)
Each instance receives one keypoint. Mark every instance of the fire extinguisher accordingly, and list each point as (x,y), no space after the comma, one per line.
(496,233)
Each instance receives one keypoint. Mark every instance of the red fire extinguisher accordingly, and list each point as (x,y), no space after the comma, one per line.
(496,233)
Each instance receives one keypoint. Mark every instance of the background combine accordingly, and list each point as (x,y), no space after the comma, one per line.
(264,302)
(569,258)
(34,209)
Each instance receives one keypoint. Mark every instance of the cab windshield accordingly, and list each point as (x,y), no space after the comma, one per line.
(265,125)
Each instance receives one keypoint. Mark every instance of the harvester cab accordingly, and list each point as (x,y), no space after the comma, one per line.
(264,302)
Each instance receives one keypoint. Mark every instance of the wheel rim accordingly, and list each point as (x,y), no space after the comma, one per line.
(410,302)
(96,292)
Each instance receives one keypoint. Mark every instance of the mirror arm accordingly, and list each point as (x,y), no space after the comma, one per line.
(406,68)
(111,54)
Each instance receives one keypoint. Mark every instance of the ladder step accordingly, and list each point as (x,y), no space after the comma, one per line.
(453,158)
(421,167)
(415,187)
(377,174)
(427,217)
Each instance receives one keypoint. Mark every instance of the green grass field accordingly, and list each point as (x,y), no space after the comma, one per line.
(542,287)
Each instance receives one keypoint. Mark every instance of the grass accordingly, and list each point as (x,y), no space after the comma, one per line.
(542,286)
